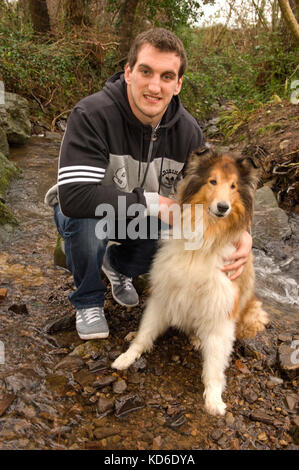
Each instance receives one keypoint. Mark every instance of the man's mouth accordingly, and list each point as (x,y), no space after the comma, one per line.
(152,99)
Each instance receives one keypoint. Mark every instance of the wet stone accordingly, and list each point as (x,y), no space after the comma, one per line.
(106,431)
(120,386)
(140,364)
(70,363)
(216,434)
(261,416)
(176,420)
(66,322)
(3,293)
(26,379)
(229,419)
(250,396)
(291,402)
(84,377)
(288,360)
(105,405)
(104,381)
(5,402)
(19,309)
(96,366)
(127,404)
(56,383)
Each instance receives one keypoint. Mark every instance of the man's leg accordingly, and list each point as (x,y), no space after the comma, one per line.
(84,257)
(127,260)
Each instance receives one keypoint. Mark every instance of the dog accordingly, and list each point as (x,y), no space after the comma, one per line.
(188,289)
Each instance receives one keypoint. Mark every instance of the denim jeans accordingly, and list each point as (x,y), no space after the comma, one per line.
(85,252)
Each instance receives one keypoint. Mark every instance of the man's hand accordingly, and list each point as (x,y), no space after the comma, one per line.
(240,257)
(165,213)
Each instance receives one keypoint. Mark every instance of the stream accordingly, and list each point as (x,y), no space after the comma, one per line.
(58,392)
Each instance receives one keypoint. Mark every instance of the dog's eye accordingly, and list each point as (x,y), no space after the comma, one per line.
(233,185)
(213,182)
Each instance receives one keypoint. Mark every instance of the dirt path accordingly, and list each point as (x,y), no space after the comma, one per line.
(50,399)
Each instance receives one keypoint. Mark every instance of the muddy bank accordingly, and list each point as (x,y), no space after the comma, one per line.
(58,392)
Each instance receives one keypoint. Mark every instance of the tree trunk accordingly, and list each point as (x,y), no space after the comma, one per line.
(39,15)
(126,26)
(289,18)
(76,12)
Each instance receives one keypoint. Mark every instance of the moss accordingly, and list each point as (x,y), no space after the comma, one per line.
(8,171)
(6,217)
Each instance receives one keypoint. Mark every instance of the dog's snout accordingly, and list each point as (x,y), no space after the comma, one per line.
(222,207)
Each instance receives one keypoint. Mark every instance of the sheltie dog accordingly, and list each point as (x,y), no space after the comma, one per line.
(188,289)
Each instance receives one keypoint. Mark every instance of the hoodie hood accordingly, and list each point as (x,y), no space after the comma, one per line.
(116,89)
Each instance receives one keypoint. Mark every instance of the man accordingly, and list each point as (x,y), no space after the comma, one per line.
(129,141)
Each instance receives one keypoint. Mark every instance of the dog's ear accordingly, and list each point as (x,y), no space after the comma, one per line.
(248,162)
(249,170)
(198,157)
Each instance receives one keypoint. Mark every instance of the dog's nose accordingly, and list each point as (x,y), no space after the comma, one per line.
(222,207)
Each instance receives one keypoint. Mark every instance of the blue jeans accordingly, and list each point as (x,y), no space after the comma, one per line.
(85,253)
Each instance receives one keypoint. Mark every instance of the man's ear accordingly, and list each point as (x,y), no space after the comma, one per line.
(127,73)
(179,86)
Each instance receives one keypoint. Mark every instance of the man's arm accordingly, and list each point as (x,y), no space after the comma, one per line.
(83,161)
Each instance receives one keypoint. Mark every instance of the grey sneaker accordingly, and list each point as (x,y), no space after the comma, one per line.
(122,287)
(91,323)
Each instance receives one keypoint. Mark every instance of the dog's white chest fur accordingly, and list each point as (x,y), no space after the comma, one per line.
(190,287)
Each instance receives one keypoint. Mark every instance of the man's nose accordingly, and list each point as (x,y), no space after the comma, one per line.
(154,85)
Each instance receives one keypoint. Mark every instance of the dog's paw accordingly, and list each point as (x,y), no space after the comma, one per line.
(124,360)
(215,407)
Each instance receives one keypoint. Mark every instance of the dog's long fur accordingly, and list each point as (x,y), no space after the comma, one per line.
(188,289)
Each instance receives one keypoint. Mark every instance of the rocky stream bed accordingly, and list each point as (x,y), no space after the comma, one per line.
(58,392)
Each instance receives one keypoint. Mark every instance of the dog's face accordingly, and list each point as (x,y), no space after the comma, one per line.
(221,182)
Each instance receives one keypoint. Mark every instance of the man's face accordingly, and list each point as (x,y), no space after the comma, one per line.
(152,83)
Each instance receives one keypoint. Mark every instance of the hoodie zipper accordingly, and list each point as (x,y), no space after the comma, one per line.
(150,152)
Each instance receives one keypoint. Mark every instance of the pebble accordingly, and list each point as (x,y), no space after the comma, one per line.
(229,419)
(120,386)
(127,404)
(140,364)
(3,293)
(105,405)
(96,366)
(276,380)
(291,402)
(262,437)
(20,309)
(260,415)
(250,396)
(5,402)
(157,442)
(70,363)
(104,381)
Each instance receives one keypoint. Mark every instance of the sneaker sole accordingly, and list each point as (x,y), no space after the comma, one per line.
(112,291)
(93,335)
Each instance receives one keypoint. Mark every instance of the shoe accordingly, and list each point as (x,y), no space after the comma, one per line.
(91,323)
(122,287)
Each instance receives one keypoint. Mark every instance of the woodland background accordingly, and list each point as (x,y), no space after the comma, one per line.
(54,52)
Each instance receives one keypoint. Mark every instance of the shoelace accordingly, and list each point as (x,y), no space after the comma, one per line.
(93,315)
(126,281)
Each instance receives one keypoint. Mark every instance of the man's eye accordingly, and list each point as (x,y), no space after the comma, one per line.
(213,182)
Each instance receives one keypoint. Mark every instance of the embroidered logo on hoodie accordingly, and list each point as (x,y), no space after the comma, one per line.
(120,178)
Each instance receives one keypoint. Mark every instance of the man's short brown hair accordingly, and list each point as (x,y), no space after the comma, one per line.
(161,39)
